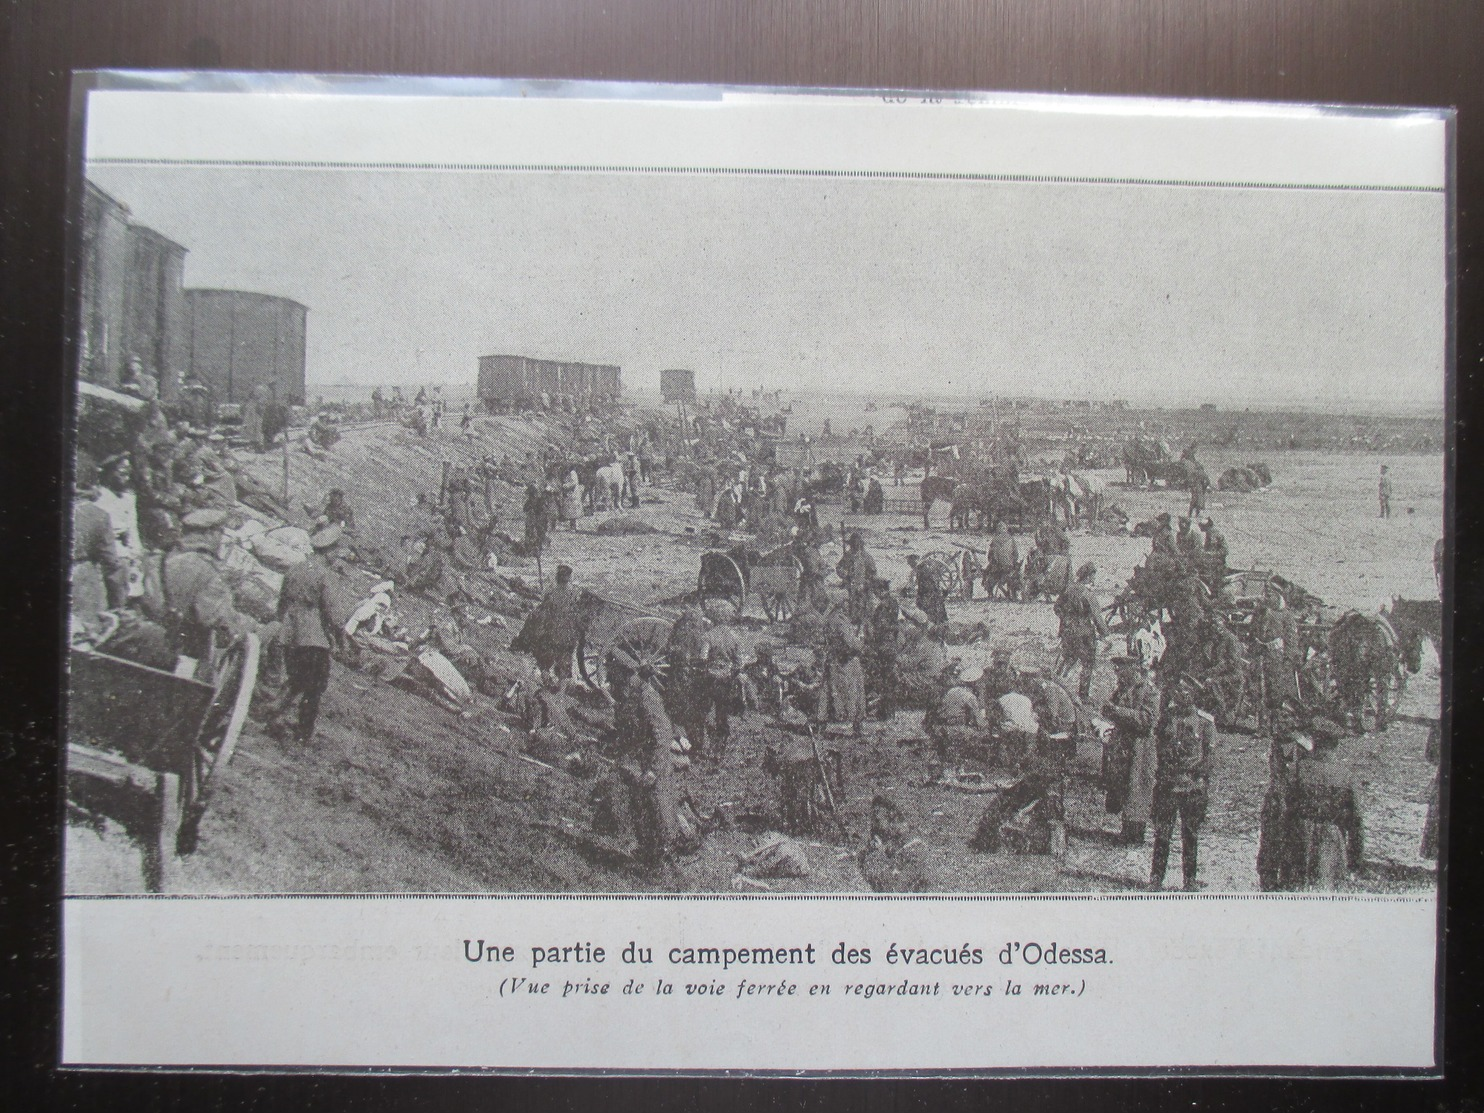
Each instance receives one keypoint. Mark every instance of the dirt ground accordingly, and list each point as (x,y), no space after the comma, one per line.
(399,795)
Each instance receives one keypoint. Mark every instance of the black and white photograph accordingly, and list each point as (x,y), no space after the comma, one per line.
(470,527)
(568,531)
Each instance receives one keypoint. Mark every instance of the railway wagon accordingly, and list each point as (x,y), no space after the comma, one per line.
(678,385)
(507,381)
(239,341)
(132,297)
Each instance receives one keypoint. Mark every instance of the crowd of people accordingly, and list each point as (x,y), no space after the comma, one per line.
(149,584)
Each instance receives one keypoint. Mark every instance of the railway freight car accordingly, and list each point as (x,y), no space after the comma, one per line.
(131,301)
(677,385)
(509,382)
(238,341)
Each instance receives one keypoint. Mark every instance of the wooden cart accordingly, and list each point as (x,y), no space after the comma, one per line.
(154,734)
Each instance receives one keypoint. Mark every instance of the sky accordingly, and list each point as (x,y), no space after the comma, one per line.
(1155,294)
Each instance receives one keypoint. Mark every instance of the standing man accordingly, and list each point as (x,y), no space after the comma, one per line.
(858,571)
(1326,808)
(928,576)
(883,642)
(811,570)
(1185,741)
(844,699)
(1130,761)
(723,671)
(100,578)
(558,627)
(647,741)
(1383,491)
(1082,626)
(307,608)
(1199,483)
(1002,569)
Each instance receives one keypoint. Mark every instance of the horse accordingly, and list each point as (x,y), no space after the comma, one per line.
(934,488)
(1369,663)
(1048,579)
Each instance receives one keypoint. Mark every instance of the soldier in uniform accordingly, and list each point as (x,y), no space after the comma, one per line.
(308,609)
(558,620)
(1188,542)
(647,742)
(1326,808)
(883,642)
(955,722)
(857,570)
(1383,491)
(723,672)
(1129,758)
(197,602)
(1002,568)
(1185,740)
(1082,626)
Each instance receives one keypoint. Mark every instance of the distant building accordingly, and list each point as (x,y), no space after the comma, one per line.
(237,341)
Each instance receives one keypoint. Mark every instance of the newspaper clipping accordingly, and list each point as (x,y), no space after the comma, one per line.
(673,579)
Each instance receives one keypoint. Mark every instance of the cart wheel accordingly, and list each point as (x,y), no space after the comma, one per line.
(237,675)
(643,639)
(721,578)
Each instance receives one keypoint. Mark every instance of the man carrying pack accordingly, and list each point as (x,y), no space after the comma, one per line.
(1185,740)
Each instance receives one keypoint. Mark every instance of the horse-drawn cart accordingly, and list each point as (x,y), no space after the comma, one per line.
(152,734)
(609,625)
(772,576)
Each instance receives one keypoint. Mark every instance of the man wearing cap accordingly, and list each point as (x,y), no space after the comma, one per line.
(1185,740)
(1188,542)
(927,576)
(197,601)
(647,740)
(811,570)
(1003,565)
(1326,810)
(558,620)
(1383,491)
(844,698)
(1001,676)
(1130,760)
(308,609)
(955,722)
(1082,626)
(723,656)
(857,570)
(883,643)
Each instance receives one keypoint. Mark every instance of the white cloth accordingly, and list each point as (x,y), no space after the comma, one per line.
(1019,714)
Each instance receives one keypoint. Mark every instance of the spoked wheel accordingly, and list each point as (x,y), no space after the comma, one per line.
(722,579)
(777,586)
(236,676)
(943,566)
(644,640)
